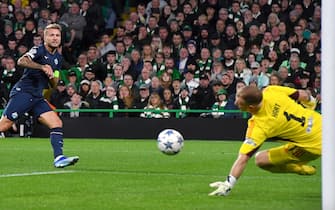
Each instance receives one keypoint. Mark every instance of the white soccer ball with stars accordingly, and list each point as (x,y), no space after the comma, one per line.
(170,141)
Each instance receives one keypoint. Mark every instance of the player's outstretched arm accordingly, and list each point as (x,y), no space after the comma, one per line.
(224,188)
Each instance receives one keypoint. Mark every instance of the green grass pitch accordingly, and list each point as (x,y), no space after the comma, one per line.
(133,174)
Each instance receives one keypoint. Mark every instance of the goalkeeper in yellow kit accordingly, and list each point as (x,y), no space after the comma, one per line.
(276,115)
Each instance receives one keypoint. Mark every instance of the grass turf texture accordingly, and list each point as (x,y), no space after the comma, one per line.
(128,174)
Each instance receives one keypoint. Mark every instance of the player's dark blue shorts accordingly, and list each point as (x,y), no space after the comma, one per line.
(21,103)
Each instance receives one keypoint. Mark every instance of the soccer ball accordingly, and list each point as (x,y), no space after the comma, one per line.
(170,141)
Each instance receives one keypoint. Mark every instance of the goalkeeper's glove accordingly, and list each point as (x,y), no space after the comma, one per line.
(223,188)
(310,104)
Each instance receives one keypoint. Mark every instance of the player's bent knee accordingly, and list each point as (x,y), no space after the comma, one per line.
(5,124)
(262,159)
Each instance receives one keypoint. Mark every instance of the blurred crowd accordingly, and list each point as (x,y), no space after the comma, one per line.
(160,55)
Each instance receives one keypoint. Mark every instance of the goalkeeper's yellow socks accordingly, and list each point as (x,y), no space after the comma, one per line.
(298,169)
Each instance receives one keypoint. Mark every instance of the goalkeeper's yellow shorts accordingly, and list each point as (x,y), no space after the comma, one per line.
(290,153)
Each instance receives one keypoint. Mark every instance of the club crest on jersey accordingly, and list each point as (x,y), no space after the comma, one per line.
(56,61)
(250,142)
(15,115)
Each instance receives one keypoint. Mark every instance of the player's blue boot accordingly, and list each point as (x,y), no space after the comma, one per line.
(62,161)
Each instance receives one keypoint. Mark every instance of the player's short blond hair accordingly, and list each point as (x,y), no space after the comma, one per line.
(52,26)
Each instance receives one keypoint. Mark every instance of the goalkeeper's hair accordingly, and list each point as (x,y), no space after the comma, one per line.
(251,95)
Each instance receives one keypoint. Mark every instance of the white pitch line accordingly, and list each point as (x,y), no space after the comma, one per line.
(35,173)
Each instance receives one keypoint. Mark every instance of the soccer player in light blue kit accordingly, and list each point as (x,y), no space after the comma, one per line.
(41,64)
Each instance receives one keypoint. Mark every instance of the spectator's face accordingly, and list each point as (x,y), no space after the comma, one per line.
(205,53)
(118,71)
(253,31)
(141,9)
(283,72)
(89,75)
(105,39)
(120,47)
(10,64)
(163,33)
(228,54)
(239,86)
(183,53)
(226,80)
(167,94)
(220,25)
(82,60)
(144,93)
(84,5)
(108,81)
(110,92)
(148,66)
(128,80)
(145,74)
(135,55)
(187,9)
(274,80)
(177,40)
(152,23)
(155,100)
(111,58)
(169,63)
(95,87)
(11,45)
(124,92)
(4,9)
(70,90)
(294,63)
(76,99)
(273,55)
(176,84)
(74,9)
(235,7)
(18,34)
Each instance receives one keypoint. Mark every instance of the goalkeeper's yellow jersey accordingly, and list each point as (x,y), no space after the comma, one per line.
(282,118)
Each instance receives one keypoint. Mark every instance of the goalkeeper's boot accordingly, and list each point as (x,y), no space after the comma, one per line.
(62,161)
(307,170)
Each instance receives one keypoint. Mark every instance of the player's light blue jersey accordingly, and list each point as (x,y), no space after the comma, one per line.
(34,81)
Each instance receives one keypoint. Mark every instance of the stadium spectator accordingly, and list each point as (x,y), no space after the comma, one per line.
(230,105)
(109,100)
(202,92)
(10,75)
(94,96)
(77,23)
(75,104)
(155,107)
(126,100)
(84,88)
(95,23)
(183,102)
(105,45)
(59,95)
(143,98)
(219,106)
(168,98)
